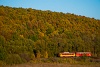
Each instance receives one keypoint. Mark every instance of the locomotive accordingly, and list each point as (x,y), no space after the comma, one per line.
(74,54)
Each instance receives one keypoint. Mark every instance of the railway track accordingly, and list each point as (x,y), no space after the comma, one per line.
(95,59)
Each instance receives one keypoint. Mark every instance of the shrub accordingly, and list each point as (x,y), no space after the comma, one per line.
(26,57)
(2,63)
(13,59)
(2,53)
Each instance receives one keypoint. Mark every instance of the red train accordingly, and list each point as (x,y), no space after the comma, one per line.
(88,54)
(73,54)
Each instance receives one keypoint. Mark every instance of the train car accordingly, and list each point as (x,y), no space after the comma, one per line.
(80,54)
(67,54)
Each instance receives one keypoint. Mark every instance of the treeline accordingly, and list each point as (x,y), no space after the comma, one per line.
(27,33)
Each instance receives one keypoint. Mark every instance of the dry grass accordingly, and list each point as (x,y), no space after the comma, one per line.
(52,65)
(58,62)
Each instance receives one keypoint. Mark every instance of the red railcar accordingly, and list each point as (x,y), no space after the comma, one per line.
(79,54)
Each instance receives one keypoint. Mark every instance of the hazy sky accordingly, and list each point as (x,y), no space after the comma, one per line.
(89,8)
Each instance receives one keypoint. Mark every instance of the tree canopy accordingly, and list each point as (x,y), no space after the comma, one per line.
(27,33)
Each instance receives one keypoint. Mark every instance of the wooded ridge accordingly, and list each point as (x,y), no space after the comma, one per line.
(27,33)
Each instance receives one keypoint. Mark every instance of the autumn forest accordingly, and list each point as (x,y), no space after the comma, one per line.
(27,33)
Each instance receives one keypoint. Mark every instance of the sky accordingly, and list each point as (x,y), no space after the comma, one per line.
(88,8)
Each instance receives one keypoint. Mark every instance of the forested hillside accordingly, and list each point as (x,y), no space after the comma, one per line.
(27,33)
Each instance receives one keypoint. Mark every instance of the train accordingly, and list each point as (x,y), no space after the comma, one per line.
(75,54)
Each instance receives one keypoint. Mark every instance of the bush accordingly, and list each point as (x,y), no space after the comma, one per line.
(13,59)
(2,53)
(2,63)
(26,57)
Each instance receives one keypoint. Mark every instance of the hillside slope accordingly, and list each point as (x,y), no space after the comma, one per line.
(29,33)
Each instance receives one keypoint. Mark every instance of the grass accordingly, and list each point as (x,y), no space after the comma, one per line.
(52,65)
(58,62)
